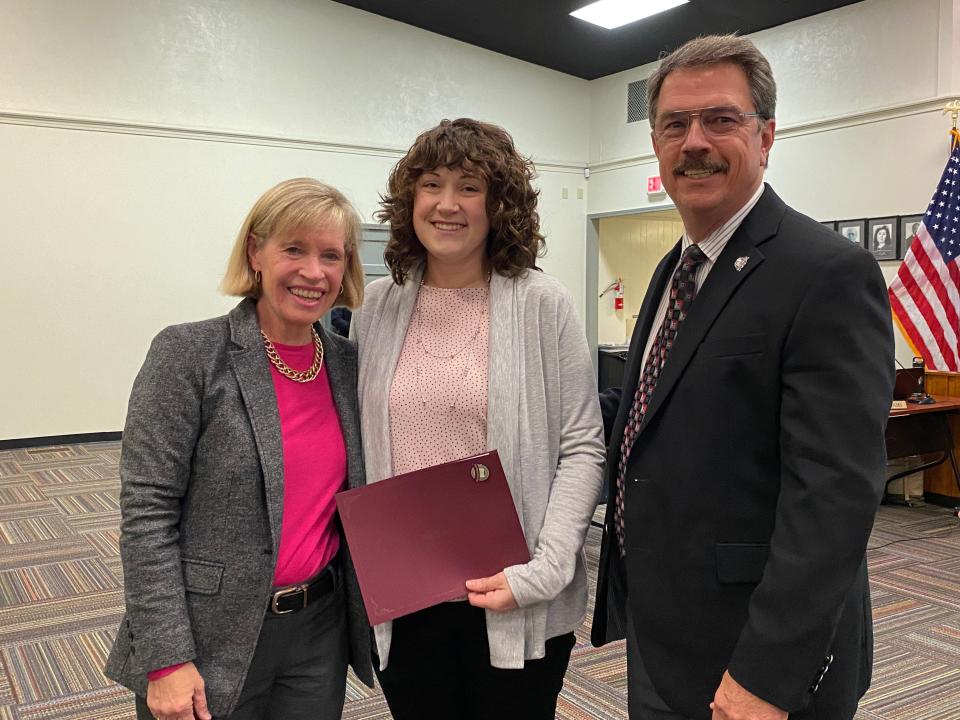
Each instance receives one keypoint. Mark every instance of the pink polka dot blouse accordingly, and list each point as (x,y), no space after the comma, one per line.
(438,398)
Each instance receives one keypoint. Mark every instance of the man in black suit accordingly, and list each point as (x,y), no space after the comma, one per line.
(746,452)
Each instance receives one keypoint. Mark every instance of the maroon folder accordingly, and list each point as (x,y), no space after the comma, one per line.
(416,538)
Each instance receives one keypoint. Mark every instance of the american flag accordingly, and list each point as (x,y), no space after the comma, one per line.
(925,294)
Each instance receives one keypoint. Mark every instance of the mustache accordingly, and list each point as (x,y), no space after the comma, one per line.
(699,165)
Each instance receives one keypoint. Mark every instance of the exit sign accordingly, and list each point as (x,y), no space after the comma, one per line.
(654,185)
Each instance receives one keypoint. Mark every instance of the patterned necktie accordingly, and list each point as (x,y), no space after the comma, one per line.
(683,288)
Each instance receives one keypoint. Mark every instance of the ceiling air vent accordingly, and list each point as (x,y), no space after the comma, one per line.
(637,101)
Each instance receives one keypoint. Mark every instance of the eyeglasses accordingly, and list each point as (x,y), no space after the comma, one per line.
(715,121)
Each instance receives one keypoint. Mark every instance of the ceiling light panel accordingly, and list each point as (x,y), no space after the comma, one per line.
(612,14)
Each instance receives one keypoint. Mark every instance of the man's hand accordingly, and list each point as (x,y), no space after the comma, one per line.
(179,695)
(732,701)
(491,593)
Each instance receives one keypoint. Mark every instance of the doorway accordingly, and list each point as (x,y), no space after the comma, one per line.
(626,247)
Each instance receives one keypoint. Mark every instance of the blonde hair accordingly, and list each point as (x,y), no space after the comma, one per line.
(300,202)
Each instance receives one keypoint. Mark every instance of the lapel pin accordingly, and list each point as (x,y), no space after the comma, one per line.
(740,263)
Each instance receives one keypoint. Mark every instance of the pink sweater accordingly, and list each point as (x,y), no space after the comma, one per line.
(314,469)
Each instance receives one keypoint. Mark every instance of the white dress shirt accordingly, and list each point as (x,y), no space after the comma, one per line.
(712,246)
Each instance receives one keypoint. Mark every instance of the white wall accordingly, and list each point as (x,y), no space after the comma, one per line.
(831,72)
(135,137)
(860,130)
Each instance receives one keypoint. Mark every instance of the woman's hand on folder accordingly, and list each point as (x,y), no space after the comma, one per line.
(491,593)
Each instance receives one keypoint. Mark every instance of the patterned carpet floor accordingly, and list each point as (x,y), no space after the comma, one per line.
(61,598)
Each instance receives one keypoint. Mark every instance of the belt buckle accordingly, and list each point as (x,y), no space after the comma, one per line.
(284,593)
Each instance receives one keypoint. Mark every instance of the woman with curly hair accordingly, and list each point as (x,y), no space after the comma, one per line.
(468,347)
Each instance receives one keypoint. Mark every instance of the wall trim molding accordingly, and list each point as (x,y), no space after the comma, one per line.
(236,137)
(851,120)
(122,127)
(49,440)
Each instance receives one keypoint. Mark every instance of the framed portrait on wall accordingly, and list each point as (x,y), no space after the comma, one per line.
(852,230)
(882,238)
(909,226)
(832,224)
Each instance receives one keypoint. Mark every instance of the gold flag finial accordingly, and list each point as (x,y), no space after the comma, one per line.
(954,109)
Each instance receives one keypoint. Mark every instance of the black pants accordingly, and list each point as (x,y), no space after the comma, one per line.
(643,701)
(299,669)
(439,667)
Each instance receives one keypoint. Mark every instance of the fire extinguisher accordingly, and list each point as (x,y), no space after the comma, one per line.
(617,287)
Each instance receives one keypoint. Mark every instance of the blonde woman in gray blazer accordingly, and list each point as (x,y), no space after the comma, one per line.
(214,473)
(469,347)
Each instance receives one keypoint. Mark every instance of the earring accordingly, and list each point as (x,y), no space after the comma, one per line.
(257,277)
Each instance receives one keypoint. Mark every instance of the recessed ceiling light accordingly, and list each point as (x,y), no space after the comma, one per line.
(614,13)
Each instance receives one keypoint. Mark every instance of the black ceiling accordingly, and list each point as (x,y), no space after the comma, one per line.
(543,32)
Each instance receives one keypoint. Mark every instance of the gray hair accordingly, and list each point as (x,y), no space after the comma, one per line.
(714,50)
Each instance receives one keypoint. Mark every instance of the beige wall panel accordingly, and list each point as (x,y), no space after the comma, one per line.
(630,248)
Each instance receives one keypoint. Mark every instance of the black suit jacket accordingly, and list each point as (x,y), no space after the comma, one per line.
(752,486)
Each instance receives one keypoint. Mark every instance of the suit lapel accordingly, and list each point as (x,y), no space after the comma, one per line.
(729,271)
(252,370)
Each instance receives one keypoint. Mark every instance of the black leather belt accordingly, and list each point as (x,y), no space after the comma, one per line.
(296,597)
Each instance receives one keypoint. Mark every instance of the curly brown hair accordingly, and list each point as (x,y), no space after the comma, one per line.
(515,241)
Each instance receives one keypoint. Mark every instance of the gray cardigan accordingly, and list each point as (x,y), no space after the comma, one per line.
(543,417)
(201,496)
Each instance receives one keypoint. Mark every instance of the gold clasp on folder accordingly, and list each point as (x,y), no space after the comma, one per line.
(479,472)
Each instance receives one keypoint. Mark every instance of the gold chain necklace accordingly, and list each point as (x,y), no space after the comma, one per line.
(423,388)
(300,376)
(421,345)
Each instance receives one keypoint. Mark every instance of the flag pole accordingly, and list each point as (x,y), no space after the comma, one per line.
(953,108)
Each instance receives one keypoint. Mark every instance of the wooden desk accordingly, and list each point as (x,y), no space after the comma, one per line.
(943,404)
(925,430)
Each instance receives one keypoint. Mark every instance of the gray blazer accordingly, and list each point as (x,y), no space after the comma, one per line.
(202,503)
